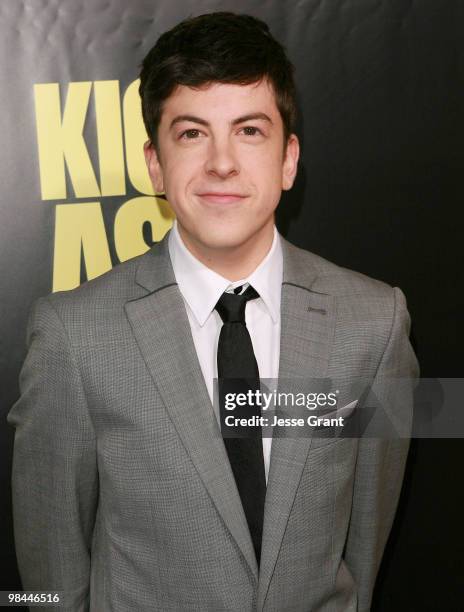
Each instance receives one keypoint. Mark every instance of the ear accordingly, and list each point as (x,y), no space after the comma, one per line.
(290,163)
(154,167)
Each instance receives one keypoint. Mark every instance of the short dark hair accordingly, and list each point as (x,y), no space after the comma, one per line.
(217,47)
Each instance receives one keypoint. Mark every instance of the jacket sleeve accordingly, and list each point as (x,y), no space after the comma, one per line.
(381,462)
(55,478)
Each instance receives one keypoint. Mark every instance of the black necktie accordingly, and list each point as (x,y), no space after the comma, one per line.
(238,373)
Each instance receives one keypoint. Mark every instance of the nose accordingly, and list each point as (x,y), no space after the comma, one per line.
(221,159)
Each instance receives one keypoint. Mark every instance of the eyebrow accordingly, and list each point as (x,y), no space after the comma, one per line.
(242,119)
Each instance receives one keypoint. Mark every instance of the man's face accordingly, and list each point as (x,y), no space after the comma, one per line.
(222,163)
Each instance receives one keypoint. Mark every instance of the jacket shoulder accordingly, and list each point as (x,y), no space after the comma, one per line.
(338,281)
(96,304)
(118,285)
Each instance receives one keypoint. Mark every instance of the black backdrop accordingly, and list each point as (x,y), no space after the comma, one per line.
(379,190)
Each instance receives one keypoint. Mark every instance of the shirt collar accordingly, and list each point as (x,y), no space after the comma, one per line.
(201,287)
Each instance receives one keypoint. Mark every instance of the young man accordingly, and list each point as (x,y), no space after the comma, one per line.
(126,496)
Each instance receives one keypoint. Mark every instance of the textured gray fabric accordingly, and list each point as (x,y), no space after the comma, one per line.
(123,495)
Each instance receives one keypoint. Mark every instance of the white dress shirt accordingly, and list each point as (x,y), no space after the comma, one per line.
(201,289)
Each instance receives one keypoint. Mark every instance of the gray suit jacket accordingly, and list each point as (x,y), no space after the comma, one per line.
(124,498)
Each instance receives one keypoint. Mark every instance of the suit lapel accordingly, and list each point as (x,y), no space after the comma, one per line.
(307,328)
(160,325)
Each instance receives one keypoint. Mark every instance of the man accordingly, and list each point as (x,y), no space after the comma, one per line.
(126,495)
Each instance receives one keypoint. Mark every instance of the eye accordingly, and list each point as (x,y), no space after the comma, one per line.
(190,134)
(250,130)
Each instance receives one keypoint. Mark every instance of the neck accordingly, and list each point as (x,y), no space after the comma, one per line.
(237,261)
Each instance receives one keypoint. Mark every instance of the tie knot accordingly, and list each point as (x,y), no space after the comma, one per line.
(231,307)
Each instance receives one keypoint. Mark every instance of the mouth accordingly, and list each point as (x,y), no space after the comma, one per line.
(216,197)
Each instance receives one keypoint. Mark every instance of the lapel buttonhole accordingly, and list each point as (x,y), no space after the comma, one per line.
(321,311)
